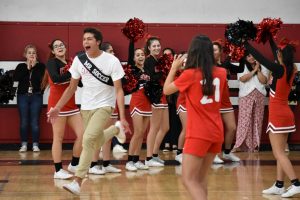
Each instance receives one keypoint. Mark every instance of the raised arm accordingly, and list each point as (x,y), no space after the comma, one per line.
(234,69)
(130,60)
(276,69)
(274,49)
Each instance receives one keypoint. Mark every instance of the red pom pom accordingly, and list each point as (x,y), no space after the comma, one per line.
(267,28)
(164,65)
(235,52)
(134,29)
(130,80)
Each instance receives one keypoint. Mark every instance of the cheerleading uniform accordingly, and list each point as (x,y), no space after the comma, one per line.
(139,103)
(204,131)
(59,79)
(149,67)
(181,107)
(281,118)
(226,106)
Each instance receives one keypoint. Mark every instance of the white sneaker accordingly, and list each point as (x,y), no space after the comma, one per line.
(153,163)
(72,168)
(140,165)
(157,159)
(111,169)
(23,148)
(130,166)
(96,170)
(72,187)
(291,191)
(119,149)
(273,190)
(218,160)
(36,149)
(231,157)
(121,137)
(179,158)
(62,174)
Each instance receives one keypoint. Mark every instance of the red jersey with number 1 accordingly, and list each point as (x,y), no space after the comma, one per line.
(203,116)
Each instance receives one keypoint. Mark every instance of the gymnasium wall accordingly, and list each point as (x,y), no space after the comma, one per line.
(175,22)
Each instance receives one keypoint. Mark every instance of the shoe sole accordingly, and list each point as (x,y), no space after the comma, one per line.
(66,188)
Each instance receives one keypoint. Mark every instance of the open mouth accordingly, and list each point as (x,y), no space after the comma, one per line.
(87,48)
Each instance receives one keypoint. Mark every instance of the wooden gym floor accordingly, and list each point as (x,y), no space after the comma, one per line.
(30,176)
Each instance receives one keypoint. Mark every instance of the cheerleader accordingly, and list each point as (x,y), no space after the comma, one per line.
(281,118)
(203,86)
(140,110)
(226,110)
(159,121)
(59,77)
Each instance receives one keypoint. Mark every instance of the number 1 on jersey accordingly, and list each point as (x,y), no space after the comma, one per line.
(205,99)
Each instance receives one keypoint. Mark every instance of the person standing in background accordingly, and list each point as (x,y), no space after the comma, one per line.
(29,75)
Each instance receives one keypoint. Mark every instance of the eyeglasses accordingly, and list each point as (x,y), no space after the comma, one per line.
(58,46)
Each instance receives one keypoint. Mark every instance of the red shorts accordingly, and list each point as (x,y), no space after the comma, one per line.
(200,147)
(163,103)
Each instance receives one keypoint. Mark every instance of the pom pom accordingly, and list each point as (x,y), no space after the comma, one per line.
(153,90)
(7,91)
(235,52)
(267,28)
(129,82)
(134,29)
(164,65)
(284,42)
(66,68)
(239,31)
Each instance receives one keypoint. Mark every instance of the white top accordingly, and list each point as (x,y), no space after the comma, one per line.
(248,86)
(96,94)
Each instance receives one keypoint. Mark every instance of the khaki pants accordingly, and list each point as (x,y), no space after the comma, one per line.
(94,136)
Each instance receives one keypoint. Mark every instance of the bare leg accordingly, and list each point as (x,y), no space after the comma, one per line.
(164,127)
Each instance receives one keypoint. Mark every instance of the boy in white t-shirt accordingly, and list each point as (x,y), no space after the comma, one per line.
(97,103)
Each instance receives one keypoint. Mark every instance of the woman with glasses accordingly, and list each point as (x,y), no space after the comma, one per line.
(59,77)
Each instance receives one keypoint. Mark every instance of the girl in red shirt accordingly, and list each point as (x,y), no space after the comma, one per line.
(203,85)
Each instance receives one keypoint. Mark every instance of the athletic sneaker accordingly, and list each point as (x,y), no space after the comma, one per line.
(231,157)
(130,166)
(179,158)
(119,149)
(291,191)
(111,169)
(153,163)
(23,148)
(121,137)
(72,187)
(72,168)
(157,159)
(36,149)
(274,190)
(140,165)
(96,170)
(62,174)
(218,160)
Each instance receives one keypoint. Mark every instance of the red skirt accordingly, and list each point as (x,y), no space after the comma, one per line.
(115,113)
(163,103)
(181,107)
(140,104)
(281,117)
(56,91)
(226,105)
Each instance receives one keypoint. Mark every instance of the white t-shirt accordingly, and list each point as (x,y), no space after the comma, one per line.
(248,86)
(96,94)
